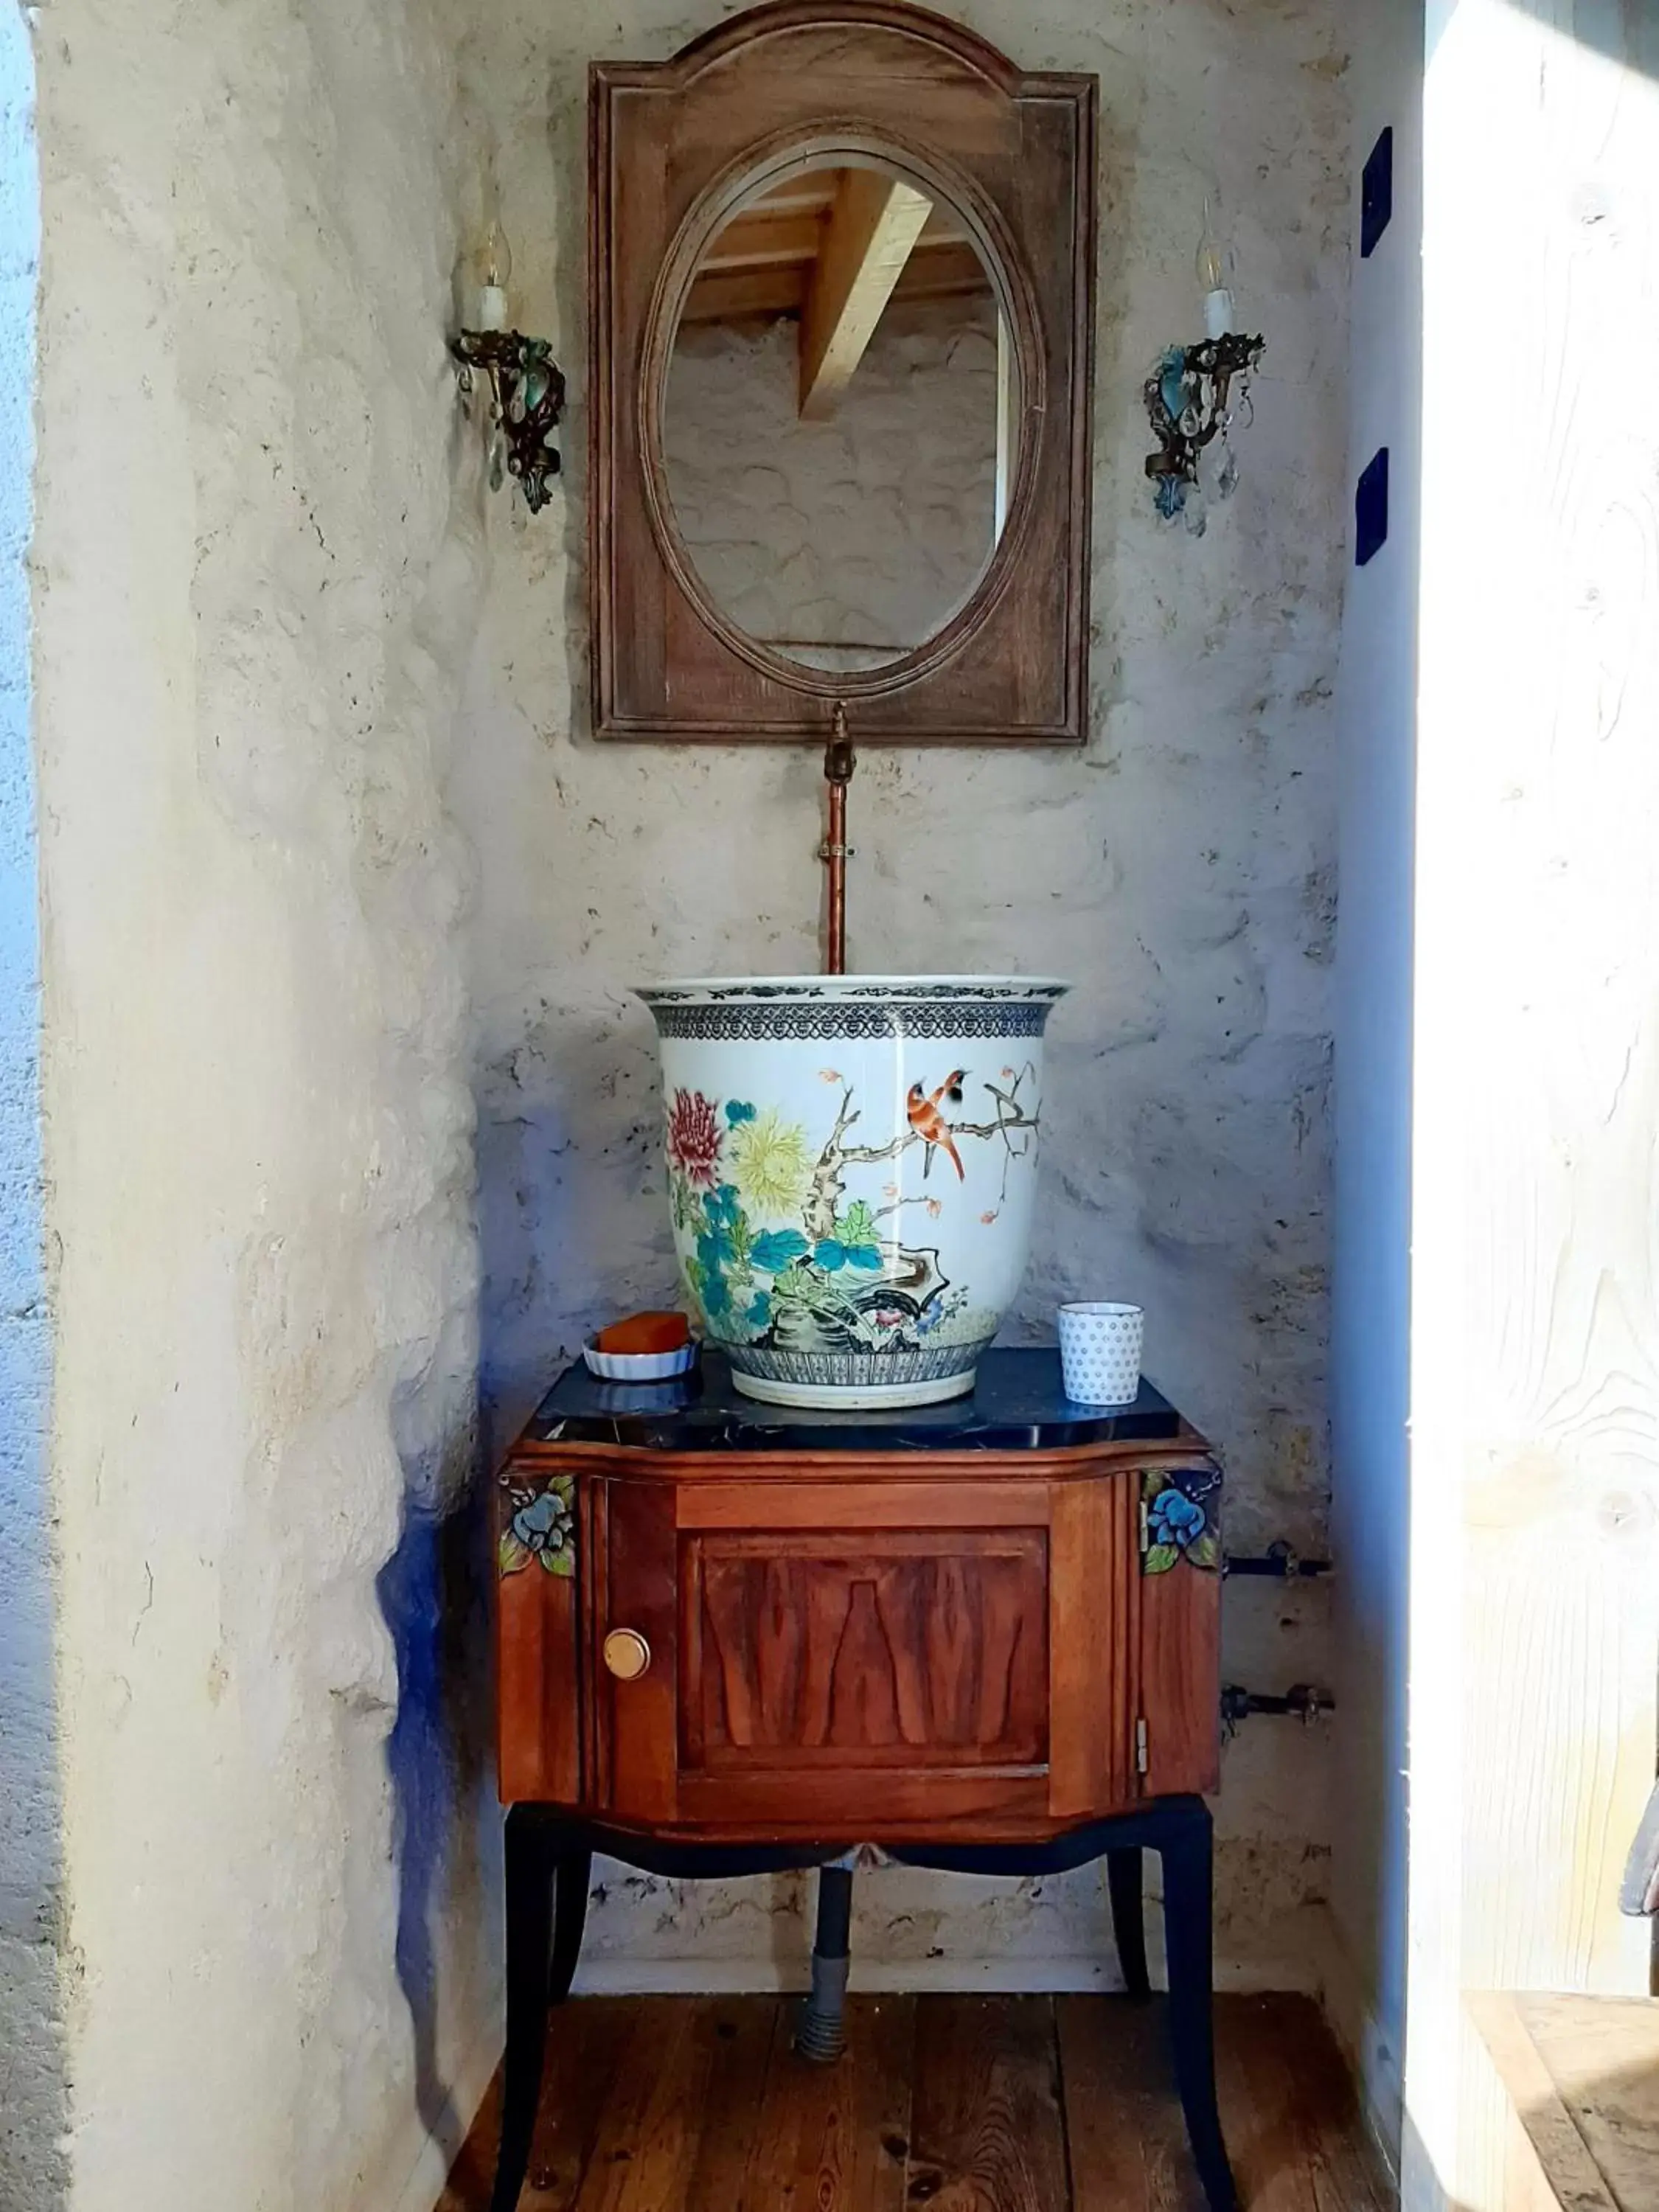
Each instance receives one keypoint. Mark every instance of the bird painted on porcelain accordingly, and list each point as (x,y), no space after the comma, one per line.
(931,1125)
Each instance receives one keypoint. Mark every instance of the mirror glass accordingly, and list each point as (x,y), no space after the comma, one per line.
(840,415)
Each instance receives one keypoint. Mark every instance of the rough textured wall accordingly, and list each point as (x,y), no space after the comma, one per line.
(251,598)
(30,1978)
(1180,867)
(867,529)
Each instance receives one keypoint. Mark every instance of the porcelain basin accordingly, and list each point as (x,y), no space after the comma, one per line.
(851,1165)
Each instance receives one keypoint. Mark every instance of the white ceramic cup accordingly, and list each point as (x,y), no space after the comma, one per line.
(1100,1352)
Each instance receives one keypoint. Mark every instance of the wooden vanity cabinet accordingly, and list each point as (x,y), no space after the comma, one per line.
(739,1645)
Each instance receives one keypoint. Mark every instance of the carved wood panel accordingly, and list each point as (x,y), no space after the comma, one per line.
(893,1648)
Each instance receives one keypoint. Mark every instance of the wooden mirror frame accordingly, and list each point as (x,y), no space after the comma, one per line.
(672,147)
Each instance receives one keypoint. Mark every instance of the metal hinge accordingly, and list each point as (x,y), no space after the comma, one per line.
(1146,1536)
(1141,1761)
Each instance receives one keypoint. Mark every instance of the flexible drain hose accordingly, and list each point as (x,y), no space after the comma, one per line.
(819,2031)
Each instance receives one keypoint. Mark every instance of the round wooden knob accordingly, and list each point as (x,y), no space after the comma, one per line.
(627,1654)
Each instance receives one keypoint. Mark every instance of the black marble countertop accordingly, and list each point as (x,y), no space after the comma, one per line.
(1018,1404)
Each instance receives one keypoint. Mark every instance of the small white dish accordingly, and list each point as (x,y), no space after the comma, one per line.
(639,1366)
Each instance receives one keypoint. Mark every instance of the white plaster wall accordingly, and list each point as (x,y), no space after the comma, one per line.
(31,1976)
(252,597)
(868,528)
(1181,867)
(1371,1289)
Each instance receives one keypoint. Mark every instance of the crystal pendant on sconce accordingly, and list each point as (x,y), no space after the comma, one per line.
(1216,469)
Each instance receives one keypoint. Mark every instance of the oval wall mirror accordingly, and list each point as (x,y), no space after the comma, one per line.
(840,420)
(841,260)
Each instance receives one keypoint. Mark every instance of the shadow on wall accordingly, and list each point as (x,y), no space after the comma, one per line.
(1626,31)
(435,1596)
(563,1252)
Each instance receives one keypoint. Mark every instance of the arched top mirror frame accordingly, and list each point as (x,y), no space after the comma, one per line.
(674,147)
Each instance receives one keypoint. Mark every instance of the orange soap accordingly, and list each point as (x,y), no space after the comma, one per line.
(645,1332)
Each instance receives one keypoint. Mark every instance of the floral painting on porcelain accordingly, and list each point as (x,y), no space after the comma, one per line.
(795,1241)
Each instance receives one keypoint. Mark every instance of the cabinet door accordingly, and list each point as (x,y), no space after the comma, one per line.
(868,1656)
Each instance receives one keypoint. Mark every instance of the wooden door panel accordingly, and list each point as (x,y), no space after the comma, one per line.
(637,1718)
(886,1503)
(1180,1680)
(538,1677)
(1094,1577)
(881,1648)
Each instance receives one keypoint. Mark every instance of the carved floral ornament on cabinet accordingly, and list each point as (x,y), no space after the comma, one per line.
(539,1523)
(1177,1519)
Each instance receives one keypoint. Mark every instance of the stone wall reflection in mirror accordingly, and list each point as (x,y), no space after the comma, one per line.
(839,414)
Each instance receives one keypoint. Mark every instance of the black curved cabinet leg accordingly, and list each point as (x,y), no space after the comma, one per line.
(570,1886)
(1187,1854)
(532,1856)
(1129,1917)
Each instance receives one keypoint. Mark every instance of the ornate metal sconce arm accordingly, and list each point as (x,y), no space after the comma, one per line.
(526,399)
(1189,403)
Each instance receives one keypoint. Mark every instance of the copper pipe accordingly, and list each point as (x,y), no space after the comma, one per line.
(839,762)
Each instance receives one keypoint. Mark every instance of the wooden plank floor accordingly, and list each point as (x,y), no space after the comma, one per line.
(956,2103)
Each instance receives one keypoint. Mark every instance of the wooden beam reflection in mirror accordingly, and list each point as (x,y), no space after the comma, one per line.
(762,263)
(875,222)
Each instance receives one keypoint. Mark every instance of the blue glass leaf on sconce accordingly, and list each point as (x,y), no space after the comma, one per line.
(1172,384)
(1169,497)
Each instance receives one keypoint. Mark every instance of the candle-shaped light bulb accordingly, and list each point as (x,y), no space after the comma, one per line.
(1215,278)
(493,262)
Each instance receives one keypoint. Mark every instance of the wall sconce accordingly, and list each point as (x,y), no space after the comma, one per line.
(1191,402)
(526,384)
